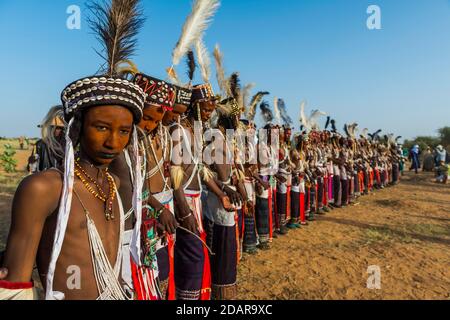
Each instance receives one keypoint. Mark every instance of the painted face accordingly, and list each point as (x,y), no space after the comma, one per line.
(151,117)
(173,115)
(206,110)
(106,132)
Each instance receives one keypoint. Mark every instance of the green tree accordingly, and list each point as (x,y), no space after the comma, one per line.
(444,136)
(423,142)
(7,159)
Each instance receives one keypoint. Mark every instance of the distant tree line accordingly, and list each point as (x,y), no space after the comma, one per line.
(443,139)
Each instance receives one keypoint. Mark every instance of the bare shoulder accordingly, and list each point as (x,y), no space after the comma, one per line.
(43,188)
(43,182)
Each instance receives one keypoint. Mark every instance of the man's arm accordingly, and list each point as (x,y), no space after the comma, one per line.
(36,199)
(183,212)
(213,187)
(166,220)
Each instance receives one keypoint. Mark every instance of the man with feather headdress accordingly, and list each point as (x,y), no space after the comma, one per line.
(192,271)
(254,185)
(268,159)
(283,195)
(89,232)
(223,233)
(192,267)
(158,221)
(231,176)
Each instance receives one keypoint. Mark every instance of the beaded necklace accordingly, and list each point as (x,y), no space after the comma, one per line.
(108,200)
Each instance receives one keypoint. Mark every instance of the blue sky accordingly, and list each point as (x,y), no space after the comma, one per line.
(396,78)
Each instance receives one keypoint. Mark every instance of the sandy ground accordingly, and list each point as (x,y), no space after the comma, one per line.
(404,230)
(8,185)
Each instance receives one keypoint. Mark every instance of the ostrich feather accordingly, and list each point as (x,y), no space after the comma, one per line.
(234,85)
(352,129)
(203,60)
(333,125)
(125,68)
(220,71)
(314,118)
(375,135)
(256,99)
(391,140)
(190,61)
(194,27)
(327,124)
(276,111)
(266,113)
(284,114)
(364,133)
(243,98)
(116,25)
(346,130)
(303,119)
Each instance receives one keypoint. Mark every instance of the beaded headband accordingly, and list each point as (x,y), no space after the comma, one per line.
(202,92)
(159,92)
(99,91)
(183,95)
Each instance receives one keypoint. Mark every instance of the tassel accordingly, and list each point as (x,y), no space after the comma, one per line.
(206,174)
(177,174)
(173,76)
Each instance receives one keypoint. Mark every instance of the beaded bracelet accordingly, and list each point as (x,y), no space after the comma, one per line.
(184,218)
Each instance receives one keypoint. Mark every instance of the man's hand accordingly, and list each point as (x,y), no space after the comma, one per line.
(227,204)
(190,224)
(280,178)
(168,222)
(186,218)
(250,208)
(234,196)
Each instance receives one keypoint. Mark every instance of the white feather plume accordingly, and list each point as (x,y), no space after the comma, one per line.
(364,133)
(391,140)
(220,72)
(352,130)
(245,95)
(314,119)
(203,60)
(194,27)
(276,111)
(303,118)
(255,101)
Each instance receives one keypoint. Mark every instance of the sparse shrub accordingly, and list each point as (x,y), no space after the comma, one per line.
(7,159)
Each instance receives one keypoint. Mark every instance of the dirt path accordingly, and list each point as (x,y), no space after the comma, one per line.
(405,230)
